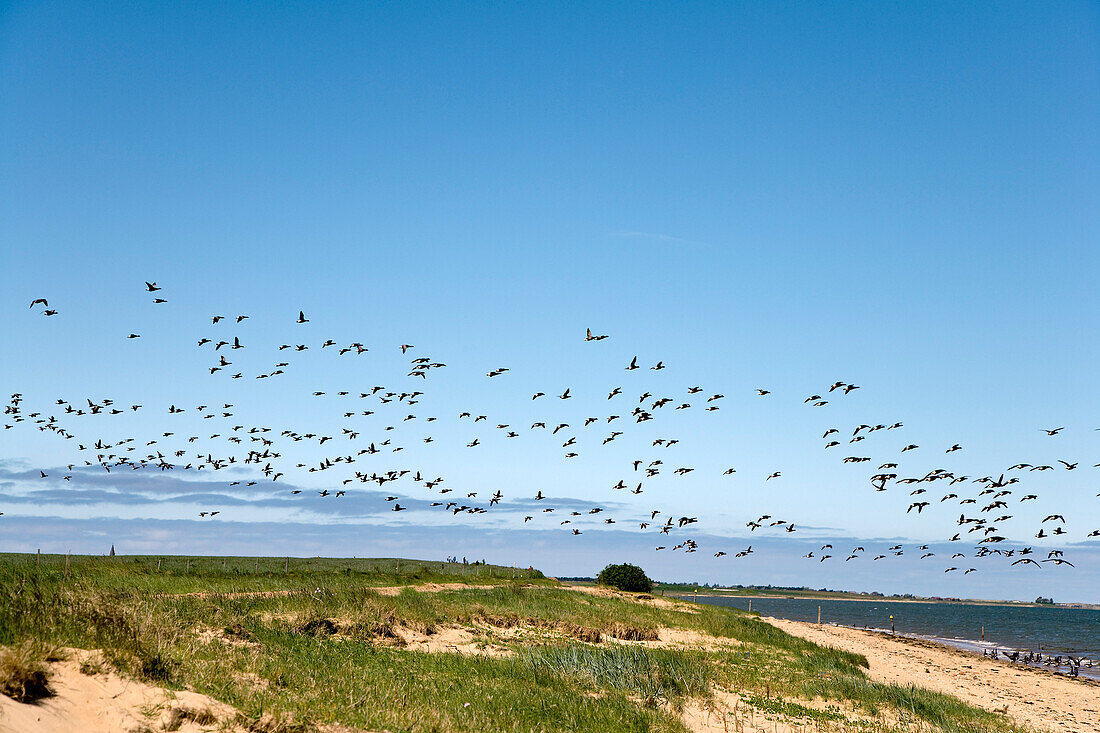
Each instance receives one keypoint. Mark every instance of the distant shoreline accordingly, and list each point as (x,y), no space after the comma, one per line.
(885,599)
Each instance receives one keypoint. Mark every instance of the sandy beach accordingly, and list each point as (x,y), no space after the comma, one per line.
(1033,697)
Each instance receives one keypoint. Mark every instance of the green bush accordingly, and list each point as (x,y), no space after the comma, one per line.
(630,578)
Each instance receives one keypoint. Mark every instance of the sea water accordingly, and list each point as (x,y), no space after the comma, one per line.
(975,627)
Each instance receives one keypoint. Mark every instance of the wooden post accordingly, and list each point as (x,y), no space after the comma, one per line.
(286,569)
(750,605)
(188,565)
(398,571)
(891,625)
(158,564)
(38,558)
(983,632)
(819,615)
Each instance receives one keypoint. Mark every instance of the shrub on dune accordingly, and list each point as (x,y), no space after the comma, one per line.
(630,578)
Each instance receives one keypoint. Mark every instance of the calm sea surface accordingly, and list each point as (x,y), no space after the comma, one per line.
(1057,631)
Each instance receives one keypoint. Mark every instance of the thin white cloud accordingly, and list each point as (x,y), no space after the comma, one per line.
(655,237)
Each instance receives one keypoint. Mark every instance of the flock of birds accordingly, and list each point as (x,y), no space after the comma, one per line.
(1037,659)
(985,502)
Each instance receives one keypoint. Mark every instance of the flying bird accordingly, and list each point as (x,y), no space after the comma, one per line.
(590,337)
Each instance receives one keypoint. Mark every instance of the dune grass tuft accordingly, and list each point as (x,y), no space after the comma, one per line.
(23,672)
(182,714)
(652,674)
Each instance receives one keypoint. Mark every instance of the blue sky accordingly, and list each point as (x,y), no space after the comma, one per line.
(777,196)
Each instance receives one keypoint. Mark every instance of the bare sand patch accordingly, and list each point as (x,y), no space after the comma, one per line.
(107,703)
(97,700)
(385,590)
(452,639)
(643,598)
(728,712)
(229,637)
(393,590)
(672,638)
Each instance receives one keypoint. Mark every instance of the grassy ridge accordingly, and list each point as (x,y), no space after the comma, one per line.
(329,647)
(183,574)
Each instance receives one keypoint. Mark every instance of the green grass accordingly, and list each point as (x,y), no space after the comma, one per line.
(182,574)
(789,709)
(356,683)
(651,674)
(321,644)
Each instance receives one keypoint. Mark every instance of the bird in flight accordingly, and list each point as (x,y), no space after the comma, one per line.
(590,337)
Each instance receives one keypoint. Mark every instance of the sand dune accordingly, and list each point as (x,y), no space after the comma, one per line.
(89,698)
